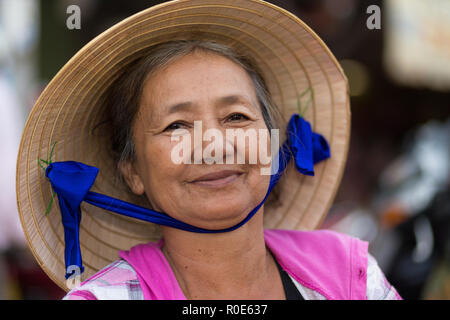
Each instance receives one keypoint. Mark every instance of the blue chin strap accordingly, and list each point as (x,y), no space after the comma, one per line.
(71,181)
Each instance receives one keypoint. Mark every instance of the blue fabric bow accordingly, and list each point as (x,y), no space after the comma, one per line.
(308,148)
(71,181)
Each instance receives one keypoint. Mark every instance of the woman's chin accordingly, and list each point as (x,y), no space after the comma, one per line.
(219,217)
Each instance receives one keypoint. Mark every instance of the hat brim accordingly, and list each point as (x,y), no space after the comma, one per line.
(290,55)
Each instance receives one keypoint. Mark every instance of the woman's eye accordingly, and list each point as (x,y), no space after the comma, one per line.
(174,126)
(237,117)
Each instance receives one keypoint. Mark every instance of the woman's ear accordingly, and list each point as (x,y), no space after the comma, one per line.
(131,177)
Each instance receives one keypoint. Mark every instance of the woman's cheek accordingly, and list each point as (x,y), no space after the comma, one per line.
(162,176)
(161,158)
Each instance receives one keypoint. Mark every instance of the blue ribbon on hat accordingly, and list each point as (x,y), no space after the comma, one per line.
(71,181)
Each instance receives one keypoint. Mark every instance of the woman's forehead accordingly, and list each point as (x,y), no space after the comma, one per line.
(193,79)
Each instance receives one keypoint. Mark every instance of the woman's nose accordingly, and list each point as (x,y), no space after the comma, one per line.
(210,144)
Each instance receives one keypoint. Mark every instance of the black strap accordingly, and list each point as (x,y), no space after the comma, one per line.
(290,290)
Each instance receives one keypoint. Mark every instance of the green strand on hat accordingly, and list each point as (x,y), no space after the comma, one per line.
(308,103)
(47,162)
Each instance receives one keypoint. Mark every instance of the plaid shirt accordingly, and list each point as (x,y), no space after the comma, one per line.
(118,281)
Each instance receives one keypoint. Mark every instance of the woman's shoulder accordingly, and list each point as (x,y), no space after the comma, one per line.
(117,281)
(323,262)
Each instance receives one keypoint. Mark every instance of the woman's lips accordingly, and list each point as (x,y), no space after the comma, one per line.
(217,179)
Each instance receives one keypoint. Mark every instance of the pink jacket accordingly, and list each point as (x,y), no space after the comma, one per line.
(333,264)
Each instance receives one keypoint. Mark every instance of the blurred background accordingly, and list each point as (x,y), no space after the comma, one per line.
(395,189)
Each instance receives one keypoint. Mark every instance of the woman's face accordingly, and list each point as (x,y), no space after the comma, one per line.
(212,89)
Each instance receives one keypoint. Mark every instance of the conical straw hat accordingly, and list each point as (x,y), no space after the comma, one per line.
(290,55)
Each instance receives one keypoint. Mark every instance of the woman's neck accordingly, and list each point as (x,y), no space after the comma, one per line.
(230,265)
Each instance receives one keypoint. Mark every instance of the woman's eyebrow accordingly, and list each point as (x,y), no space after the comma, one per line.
(179,107)
(223,101)
(237,98)
(232,99)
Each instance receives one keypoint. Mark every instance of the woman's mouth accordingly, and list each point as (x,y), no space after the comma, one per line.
(217,179)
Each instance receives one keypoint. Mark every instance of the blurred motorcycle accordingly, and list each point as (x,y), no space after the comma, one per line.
(413,206)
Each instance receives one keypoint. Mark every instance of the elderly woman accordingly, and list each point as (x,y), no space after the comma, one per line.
(212,242)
